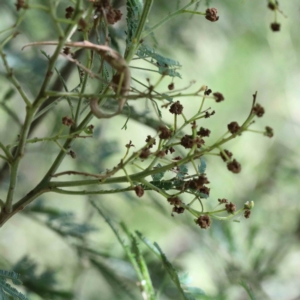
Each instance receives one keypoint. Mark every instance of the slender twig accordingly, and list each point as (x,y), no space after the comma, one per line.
(167,18)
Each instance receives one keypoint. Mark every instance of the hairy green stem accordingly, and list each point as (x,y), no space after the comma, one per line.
(30,111)
(138,34)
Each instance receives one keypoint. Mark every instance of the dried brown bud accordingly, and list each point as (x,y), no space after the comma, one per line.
(69,11)
(175,201)
(161,153)
(165,133)
(275,26)
(230,207)
(247,214)
(178,210)
(218,96)
(113,15)
(212,15)
(67,121)
(204,221)
(66,50)
(82,24)
(221,201)
(233,127)
(171,86)
(171,149)
(204,190)
(151,141)
(144,153)
(258,110)
(21,4)
(234,167)
(187,141)
(269,132)
(101,4)
(198,183)
(207,92)
(272,6)
(177,158)
(72,154)
(139,190)
(203,132)
(176,108)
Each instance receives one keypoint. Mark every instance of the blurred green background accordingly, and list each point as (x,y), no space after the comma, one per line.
(236,56)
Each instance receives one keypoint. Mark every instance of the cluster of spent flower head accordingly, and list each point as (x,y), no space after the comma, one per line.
(188,178)
(178,149)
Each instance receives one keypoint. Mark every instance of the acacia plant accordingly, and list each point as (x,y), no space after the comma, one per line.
(172,161)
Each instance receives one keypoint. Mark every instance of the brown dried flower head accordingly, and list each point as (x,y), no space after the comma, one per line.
(66,50)
(233,127)
(145,153)
(203,132)
(151,141)
(258,110)
(69,11)
(82,24)
(72,154)
(204,221)
(230,207)
(269,132)
(176,108)
(161,153)
(67,121)
(21,4)
(139,190)
(218,96)
(207,92)
(234,167)
(247,213)
(198,183)
(171,86)
(272,6)
(165,133)
(212,15)
(222,201)
(113,15)
(178,210)
(187,141)
(204,190)
(174,201)
(275,26)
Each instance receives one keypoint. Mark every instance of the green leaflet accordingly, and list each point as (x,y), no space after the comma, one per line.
(202,166)
(158,176)
(134,11)
(6,289)
(166,66)
(183,292)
